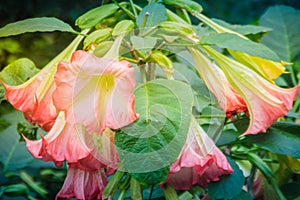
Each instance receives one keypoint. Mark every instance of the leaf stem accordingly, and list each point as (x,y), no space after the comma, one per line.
(133,8)
(144,22)
(151,191)
(143,73)
(11,152)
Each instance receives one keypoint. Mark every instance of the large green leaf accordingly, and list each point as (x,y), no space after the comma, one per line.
(243,29)
(156,14)
(42,24)
(236,43)
(18,72)
(229,185)
(13,154)
(94,16)
(157,137)
(285,37)
(281,137)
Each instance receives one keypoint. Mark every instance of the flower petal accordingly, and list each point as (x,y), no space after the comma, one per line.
(266,102)
(203,159)
(82,184)
(34,98)
(214,78)
(270,70)
(63,142)
(95,92)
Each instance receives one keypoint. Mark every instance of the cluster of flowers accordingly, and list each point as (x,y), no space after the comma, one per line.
(74,98)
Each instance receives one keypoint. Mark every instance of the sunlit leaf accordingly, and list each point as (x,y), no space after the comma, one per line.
(236,43)
(243,29)
(154,14)
(156,138)
(42,24)
(94,16)
(18,72)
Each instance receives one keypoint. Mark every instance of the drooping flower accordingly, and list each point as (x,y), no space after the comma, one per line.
(95,92)
(86,179)
(214,78)
(265,101)
(71,142)
(34,97)
(83,184)
(269,69)
(199,161)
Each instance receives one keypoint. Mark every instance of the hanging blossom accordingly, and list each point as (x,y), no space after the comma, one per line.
(87,87)
(268,69)
(95,92)
(87,172)
(85,179)
(199,161)
(34,97)
(265,101)
(214,78)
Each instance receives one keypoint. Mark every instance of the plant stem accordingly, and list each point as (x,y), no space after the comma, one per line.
(143,73)
(133,8)
(151,73)
(151,191)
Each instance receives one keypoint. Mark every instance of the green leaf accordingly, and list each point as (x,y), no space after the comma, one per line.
(42,24)
(103,48)
(153,177)
(242,195)
(188,5)
(170,193)
(16,190)
(18,72)
(94,16)
(157,14)
(143,44)
(123,27)
(97,36)
(13,154)
(229,185)
(281,138)
(243,29)
(156,138)
(285,37)
(236,43)
(227,137)
(177,28)
(163,61)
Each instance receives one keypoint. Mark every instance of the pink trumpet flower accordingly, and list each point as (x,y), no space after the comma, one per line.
(214,78)
(95,92)
(199,161)
(63,142)
(265,101)
(34,98)
(86,179)
(83,184)
(72,143)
